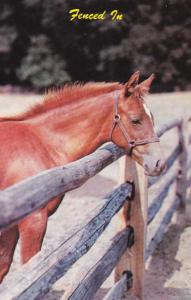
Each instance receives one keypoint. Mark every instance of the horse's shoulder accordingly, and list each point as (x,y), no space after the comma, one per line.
(22,140)
(22,154)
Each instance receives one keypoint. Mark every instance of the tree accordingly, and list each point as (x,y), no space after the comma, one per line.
(41,67)
(40,46)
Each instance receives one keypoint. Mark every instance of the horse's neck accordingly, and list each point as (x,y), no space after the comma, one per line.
(78,129)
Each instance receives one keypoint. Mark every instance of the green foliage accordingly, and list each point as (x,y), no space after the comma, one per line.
(41,67)
(40,46)
(8,35)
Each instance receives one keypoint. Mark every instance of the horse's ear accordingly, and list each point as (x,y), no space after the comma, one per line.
(131,83)
(144,86)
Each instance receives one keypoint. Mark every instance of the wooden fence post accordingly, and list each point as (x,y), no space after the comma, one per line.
(135,216)
(181,185)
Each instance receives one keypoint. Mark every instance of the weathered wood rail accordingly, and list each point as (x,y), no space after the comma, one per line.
(127,249)
(38,190)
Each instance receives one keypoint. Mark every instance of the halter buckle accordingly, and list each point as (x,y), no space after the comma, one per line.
(117,118)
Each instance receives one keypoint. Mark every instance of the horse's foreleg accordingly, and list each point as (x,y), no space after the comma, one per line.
(32,230)
(53,205)
(8,241)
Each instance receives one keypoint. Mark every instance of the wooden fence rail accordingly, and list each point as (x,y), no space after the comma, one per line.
(36,191)
(94,278)
(34,279)
(162,191)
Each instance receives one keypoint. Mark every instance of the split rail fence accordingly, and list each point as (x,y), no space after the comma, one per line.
(127,250)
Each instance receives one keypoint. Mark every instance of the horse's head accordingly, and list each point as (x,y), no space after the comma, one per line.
(133,126)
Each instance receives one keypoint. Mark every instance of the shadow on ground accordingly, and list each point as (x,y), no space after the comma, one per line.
(165,266)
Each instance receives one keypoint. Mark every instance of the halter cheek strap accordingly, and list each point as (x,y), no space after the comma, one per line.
(118,122)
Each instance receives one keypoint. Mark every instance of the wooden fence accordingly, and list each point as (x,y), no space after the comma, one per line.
(126,250)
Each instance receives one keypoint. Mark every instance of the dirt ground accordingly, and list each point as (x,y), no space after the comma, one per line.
(168,274)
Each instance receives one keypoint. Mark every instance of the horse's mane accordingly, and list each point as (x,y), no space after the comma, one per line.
(58,97)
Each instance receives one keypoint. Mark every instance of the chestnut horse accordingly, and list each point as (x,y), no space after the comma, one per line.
(68,124)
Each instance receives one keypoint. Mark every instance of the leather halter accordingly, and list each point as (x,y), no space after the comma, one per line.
(131,143)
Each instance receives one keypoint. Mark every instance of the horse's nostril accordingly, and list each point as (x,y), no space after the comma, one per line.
(160,165)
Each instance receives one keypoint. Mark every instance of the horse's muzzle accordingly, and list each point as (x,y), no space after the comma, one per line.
(156,170)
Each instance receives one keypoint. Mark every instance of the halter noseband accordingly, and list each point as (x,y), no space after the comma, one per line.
(131,143)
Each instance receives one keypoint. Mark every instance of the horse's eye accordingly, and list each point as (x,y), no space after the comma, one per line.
(136,121)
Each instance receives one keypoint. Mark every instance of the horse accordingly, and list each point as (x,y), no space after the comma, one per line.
(69,123)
